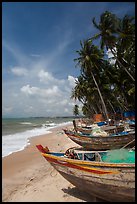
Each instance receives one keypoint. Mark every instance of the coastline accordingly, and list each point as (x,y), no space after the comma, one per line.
(27,177)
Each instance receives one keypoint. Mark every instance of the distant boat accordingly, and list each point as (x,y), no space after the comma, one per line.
(113,141)
(87,170)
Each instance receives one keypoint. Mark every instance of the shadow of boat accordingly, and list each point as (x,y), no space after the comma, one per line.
(76,192)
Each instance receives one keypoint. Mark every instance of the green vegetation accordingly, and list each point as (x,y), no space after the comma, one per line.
(106,87)
(76,110)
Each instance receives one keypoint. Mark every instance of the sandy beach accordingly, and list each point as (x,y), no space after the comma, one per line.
(28,177)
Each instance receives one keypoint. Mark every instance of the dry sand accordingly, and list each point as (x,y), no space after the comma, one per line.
(28,177)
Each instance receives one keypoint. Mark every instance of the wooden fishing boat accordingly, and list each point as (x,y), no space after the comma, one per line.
(115,128)
(110,181)
(107,128)
(113,141)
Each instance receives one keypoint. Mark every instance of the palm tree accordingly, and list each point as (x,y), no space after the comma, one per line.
(126,43)
(82,92)
(86,92)
(91,58)
(76,110)
(109,27)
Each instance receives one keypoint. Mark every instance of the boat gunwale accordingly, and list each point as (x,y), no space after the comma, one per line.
(71,133)
(91,163)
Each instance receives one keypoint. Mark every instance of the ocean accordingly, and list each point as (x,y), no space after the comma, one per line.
(17,131)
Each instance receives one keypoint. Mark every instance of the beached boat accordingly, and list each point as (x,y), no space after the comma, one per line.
(115,128)
(109,180)
(107,128)
(113,141)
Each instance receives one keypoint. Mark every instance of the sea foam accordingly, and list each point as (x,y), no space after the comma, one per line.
(18,141)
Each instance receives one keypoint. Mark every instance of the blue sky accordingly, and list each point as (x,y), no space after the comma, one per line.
(39,43)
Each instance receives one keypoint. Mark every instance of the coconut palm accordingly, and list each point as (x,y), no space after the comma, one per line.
(76,110)
(110,30)
(126,43)
(82,92)
(90,60)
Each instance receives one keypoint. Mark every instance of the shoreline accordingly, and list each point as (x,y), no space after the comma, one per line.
(26,141)
(27,177)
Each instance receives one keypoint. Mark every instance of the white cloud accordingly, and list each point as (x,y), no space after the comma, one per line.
(71,80)
(44,93)
(7,109)
(29,109)
(39,91)
(28,90)
(54,91)
(50,98)
(66,110)
(64,102)
(19,71)
(45,76)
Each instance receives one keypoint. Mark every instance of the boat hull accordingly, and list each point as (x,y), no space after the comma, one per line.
(102,191)
(101,143)
(109,183)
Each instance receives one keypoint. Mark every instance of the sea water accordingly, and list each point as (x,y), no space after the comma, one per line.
(17,131)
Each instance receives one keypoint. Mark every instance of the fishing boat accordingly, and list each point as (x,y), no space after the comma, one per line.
(112,141)
(108,179)
(107,128)
(115,128)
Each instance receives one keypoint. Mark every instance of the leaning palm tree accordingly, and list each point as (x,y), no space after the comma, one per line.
(86,92)
(81,92)
(126,43)
(90,60)
(110,33)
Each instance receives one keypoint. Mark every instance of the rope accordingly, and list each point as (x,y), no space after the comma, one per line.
(133,148)
(127,144)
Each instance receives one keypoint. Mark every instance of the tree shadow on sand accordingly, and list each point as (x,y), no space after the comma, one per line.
(74,191)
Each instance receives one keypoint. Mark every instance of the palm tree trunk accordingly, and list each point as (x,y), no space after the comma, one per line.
(100,107)
(124,107)
(112,106)
(94,110)
(106,113)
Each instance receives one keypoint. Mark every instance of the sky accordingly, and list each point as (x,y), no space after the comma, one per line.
(39,43)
